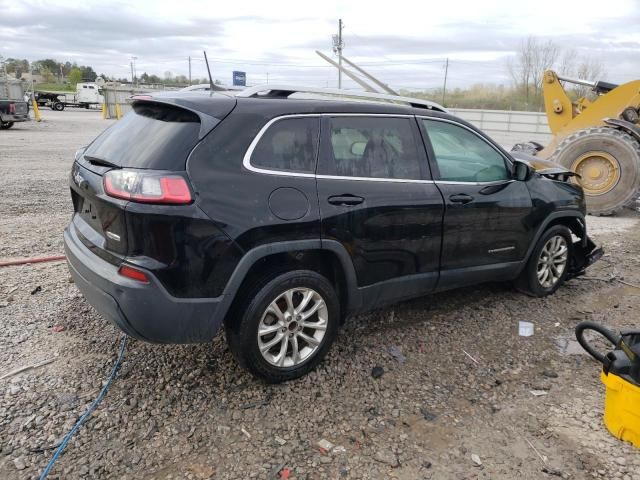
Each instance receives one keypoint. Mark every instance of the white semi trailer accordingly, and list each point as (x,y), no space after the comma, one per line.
(87,95)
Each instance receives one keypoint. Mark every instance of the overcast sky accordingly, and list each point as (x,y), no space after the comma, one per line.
(403,43)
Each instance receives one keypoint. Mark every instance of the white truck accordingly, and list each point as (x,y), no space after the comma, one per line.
(87,95)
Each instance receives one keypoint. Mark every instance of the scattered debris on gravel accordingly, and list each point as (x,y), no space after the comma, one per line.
(436,388)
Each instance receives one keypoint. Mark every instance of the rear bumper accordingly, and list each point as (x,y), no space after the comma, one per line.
(18,117)
(144,311)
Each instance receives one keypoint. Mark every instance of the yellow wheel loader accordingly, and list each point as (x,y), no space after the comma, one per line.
(599,140)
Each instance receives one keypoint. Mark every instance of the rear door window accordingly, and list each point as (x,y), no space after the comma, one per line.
(373,147)
(289,145)
(152,136)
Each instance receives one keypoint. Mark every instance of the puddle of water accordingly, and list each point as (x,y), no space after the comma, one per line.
(568,346)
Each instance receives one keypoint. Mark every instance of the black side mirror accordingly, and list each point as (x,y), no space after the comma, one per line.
(522,171)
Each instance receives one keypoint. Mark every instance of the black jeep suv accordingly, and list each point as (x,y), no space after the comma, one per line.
(279,217)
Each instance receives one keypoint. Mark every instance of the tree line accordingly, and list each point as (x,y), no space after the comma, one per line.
(52,70)
(526,70)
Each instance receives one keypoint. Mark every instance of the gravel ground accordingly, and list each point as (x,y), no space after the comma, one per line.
(189,412)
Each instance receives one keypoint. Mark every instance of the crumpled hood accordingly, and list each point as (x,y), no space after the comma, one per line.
(541,165)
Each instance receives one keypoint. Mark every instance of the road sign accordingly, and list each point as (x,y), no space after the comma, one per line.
(240,79)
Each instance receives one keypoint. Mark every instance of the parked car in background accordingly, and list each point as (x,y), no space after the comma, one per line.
(13,108)
(12,111)
(278,217)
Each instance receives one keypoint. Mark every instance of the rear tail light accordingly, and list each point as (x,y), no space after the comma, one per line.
(147,187)
(133,273)
(12,108)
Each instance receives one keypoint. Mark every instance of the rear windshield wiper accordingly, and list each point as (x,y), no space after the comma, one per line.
(100,161)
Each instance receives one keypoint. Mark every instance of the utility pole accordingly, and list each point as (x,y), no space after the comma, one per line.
(337,48)
(340,53)
(189,70)
(131,65)
(444,86)
(135,73)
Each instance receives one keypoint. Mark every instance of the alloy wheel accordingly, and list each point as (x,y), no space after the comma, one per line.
(292,327)
(552,261)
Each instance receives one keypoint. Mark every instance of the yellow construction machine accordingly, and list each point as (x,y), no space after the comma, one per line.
(598,139)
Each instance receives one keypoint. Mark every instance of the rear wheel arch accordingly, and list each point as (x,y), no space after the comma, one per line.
(266,262)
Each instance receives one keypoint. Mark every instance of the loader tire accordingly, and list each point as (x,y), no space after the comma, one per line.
(608,161)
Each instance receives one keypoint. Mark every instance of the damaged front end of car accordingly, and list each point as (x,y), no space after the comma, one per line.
(546,168)
(585,253)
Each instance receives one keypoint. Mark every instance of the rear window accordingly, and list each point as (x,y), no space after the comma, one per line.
(289,145)
(151,136)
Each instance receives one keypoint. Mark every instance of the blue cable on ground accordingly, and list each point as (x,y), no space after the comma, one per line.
(87,414)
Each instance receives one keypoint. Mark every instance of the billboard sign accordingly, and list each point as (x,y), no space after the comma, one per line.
(239,79)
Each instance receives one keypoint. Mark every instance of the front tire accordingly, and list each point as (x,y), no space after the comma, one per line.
(6,125)
(548,264)
(287,326)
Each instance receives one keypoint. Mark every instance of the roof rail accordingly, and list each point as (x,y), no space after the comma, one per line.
(284,91)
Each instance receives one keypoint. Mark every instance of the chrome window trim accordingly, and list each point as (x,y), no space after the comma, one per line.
(493,182)
(480,135)
(246,161)
(374,179)
(389,115)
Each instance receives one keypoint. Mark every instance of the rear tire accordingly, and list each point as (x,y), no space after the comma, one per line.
(591,152)
(548,265)
(58,106)
(6,125)
(295,335)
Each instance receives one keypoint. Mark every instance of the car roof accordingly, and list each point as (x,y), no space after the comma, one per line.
(219,104)
(283,106)
(272,107)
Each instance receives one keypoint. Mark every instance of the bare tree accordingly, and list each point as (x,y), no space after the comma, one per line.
(567,64)
(590,68)
(545,55)
(532,58)
(521,66)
